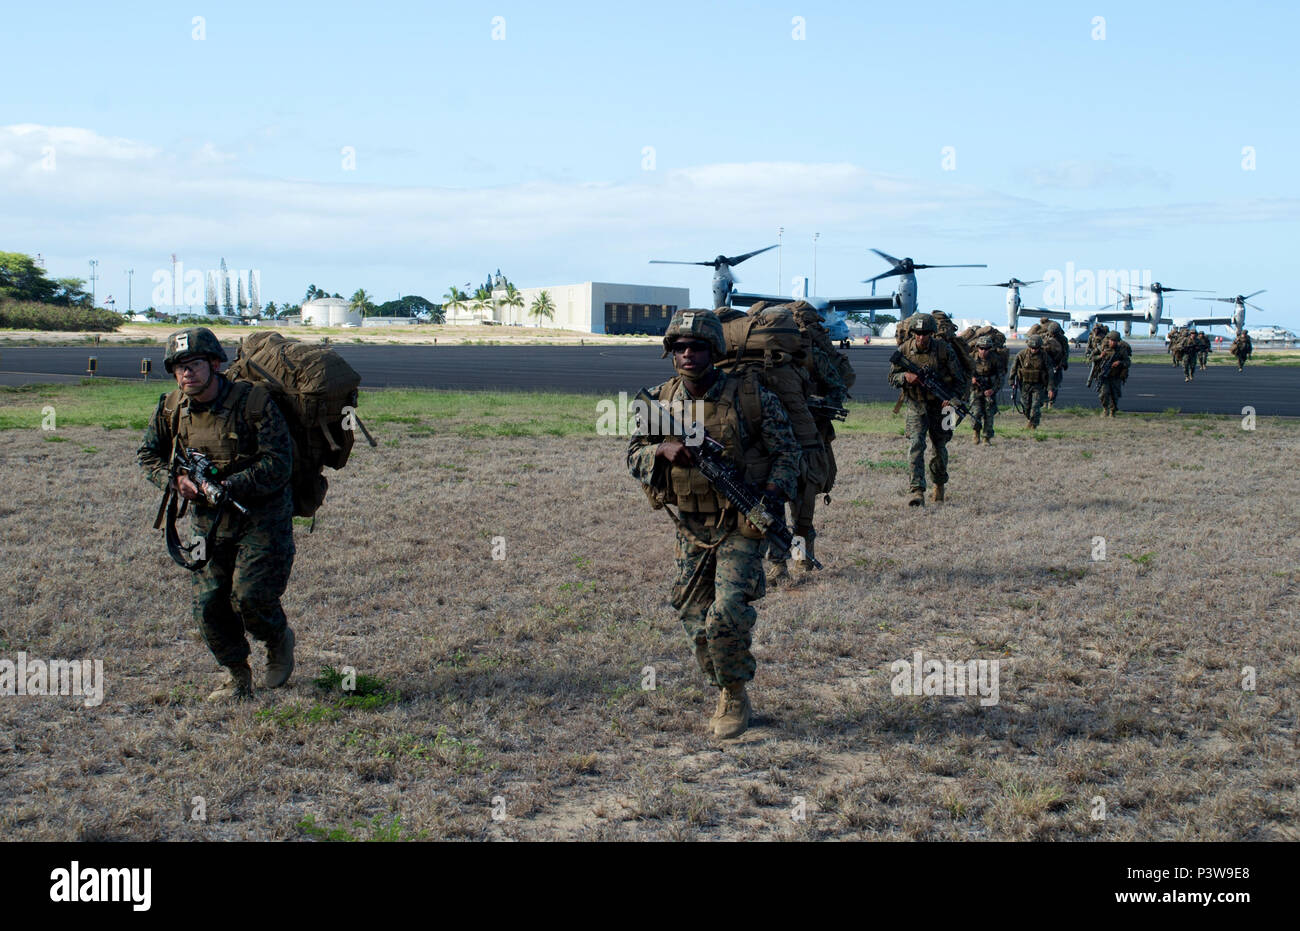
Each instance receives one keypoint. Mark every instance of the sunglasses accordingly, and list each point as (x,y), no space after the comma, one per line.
(680,347)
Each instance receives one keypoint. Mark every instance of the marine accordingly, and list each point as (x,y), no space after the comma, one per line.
(987,380)
(1241,348)
(926,414)
(1112,371)
(1032,372)
(719,553)
(248,561)
(830,376)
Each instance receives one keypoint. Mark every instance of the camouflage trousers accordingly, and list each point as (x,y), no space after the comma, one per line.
(1241,361)
(983,411)
(1109,390)
(1189,365)
(1057,377)
(1032,399)
(713,594)
(925,418)
(239,589)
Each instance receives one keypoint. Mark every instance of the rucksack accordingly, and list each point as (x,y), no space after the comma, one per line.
(312,385)
(768,342)
(815,334)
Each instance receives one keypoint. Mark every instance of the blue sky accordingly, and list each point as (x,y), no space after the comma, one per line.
(124,138)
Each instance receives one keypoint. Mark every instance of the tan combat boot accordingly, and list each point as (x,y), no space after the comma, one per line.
(279,660)
(719,711)
(734,719)
(917,498)
(977,438)
(238,684)
(988,441)
(778,573)
(938,492)
(805,562)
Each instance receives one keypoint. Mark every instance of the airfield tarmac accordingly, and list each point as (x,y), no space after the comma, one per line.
(1270,390)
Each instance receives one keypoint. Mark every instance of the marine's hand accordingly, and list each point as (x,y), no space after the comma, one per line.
(911,378)
(674,450)
(989,393)
(189,491)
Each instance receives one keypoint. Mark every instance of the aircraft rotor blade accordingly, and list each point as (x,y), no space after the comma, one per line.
(736,260)
(890,273)
(1249,296)
(1256,307)
(887,257)
(950,266)
(670,262)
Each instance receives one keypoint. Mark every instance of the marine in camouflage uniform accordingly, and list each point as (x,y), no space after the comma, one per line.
(926,413)
(987,380)
(1032,370)
(1113,369)
(826,368)
(1190,348)
(719,554)
(240,428)
(1241,348)
(1203,348)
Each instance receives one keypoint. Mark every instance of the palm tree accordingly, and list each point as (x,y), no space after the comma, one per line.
(483,303)
(542,307)
(513,298)
(361,301)
(454,300)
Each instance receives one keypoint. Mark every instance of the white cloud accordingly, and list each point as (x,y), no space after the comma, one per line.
(118,193)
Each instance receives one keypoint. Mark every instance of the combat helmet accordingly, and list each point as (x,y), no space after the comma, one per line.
(921,323)
(194,341)
(1113,334)
(696,324)
(1035,342)
(984,342)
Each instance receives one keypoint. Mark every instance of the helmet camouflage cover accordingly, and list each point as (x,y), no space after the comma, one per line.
(696,324)
(1113,334)
(1035,342)
(984,342)
(921,323)
(195,341)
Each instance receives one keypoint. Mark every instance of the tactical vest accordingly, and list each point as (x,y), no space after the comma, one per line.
(988,368)
(217,433)
(936,359)
(687,487)
(1032,367)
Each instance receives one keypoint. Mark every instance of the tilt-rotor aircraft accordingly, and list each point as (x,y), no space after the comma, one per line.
(1014,305)
(1154,314)
(832,309)
(1238,318)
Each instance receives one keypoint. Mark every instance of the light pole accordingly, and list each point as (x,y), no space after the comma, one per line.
(780,232)
(815,237)
(129,273)
(94,263)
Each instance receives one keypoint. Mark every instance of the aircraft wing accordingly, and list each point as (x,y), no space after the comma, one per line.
(1044,312)
(1205,321)
(744,299)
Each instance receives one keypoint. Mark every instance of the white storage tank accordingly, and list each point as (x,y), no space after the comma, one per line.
(330,311)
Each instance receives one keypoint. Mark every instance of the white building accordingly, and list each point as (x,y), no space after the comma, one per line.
(590,307)
(330,311)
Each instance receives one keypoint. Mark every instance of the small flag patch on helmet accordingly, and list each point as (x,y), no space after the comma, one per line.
(182,342)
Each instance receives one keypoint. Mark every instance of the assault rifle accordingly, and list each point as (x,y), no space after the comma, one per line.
(199,469)
(711,459)
(820,407)
(933,385)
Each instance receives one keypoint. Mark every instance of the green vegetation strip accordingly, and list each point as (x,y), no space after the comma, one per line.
(397,414)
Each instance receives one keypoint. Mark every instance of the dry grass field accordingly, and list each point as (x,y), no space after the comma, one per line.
(508,701)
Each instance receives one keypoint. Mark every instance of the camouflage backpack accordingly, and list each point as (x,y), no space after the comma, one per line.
(767,341)
(312,385)
(815,334)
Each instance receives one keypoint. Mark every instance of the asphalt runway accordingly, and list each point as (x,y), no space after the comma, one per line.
(1270,390)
